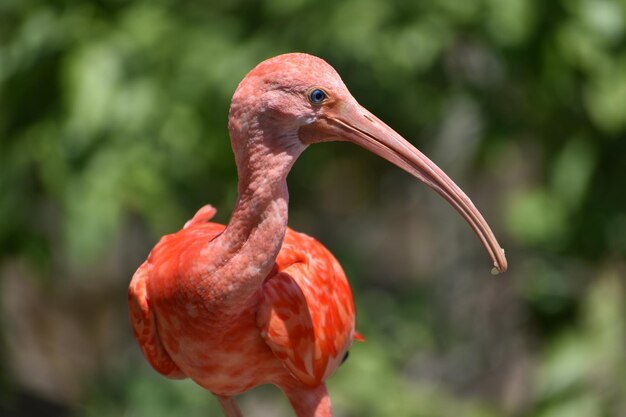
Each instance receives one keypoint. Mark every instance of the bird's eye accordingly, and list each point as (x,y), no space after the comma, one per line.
(317,96)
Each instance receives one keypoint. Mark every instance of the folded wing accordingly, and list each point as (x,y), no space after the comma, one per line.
(307,314)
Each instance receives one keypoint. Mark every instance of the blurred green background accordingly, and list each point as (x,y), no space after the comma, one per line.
(113,132)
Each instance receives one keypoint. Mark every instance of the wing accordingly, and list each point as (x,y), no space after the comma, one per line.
(142,318)
(306,314)
(144,326)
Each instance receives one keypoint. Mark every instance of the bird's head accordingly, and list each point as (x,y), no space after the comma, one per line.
(295,100)
(283,94)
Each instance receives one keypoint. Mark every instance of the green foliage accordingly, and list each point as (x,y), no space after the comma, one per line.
(113,132)
(582,371)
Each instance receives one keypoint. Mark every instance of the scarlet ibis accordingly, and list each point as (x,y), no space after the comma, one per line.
(254,302)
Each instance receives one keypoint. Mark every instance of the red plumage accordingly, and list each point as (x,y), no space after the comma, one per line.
(296,329)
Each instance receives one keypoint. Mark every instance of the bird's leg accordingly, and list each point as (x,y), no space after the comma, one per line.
(229,406)
(309,402)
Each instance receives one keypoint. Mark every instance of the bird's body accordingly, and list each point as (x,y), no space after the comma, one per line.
(254,302)
(294,330)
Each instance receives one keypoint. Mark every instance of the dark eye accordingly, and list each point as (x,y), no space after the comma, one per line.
(317,96)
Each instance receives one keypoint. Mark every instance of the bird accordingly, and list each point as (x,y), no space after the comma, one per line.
(254,302)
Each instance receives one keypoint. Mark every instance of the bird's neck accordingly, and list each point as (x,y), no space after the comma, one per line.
(259,219)
(248,247)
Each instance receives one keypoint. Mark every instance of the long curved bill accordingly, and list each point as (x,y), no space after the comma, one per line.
(356,124)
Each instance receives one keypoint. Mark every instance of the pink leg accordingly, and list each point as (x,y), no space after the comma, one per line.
(309,402)
(229,406)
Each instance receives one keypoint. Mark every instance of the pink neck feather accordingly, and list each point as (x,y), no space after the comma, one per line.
(244,254)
